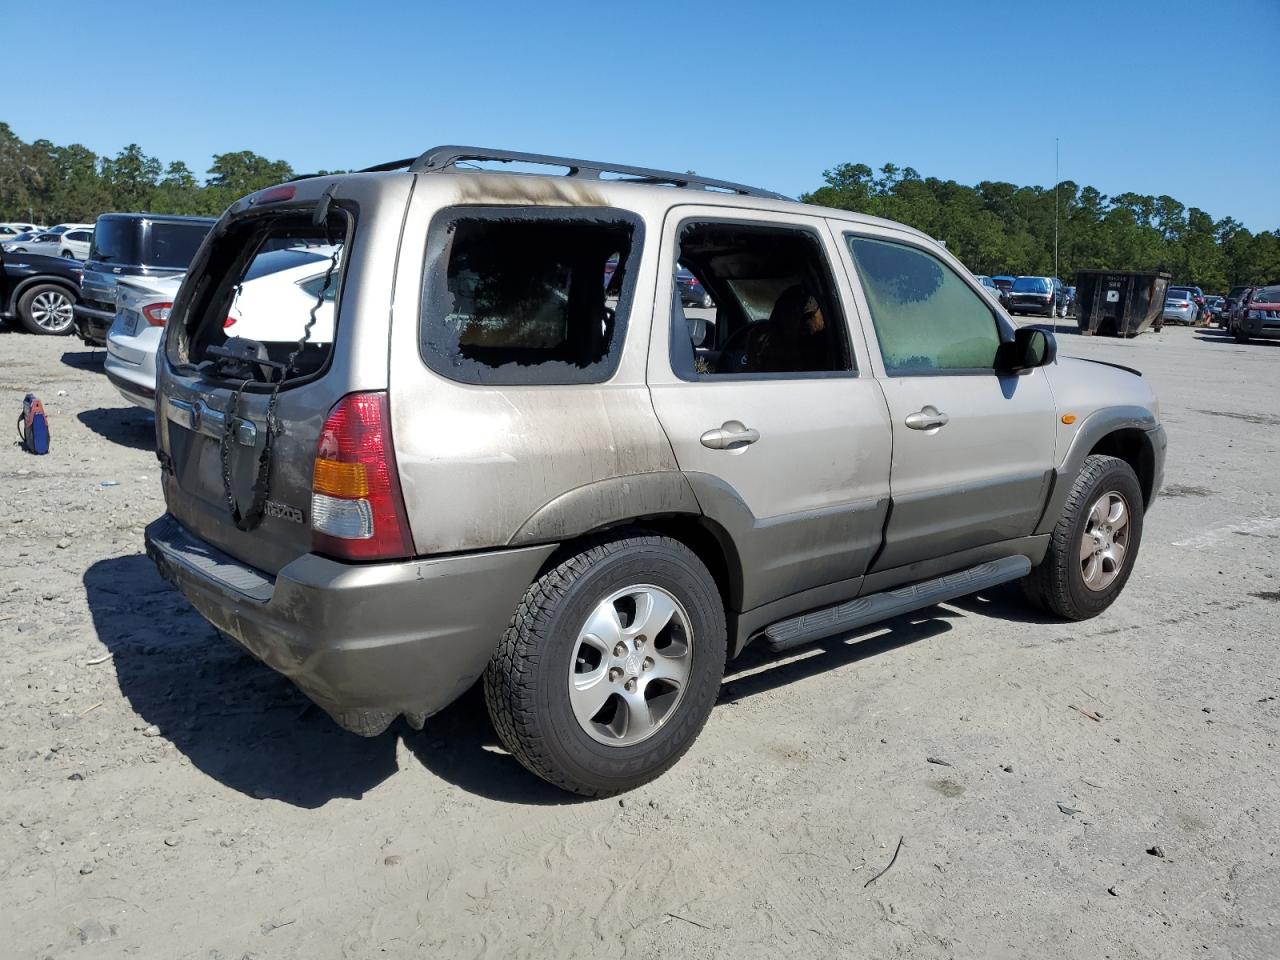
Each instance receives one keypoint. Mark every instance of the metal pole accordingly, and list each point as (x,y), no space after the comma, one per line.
(1055,206)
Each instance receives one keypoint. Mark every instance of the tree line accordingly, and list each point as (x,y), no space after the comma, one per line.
(1000,228)
(47,183)
(993,227)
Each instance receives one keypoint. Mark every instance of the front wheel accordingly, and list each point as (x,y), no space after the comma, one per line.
(1094,545)
(610,665)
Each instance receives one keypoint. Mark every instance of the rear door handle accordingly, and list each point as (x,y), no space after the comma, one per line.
(929,418)
(729,435)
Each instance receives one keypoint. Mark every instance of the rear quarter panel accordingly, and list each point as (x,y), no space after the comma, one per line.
(476,462)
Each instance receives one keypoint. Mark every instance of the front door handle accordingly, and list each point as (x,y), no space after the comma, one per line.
(929,418)
(729,436)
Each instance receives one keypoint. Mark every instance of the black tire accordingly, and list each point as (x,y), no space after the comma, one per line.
(28,309)
(67,255)
(526,683)
(1057,583)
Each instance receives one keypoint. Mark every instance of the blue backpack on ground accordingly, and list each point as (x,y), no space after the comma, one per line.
(33,426)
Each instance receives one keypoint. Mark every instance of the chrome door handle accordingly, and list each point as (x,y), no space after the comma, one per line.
(930,418)
(729,435)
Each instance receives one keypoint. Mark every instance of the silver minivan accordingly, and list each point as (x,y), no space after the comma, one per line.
(521,458)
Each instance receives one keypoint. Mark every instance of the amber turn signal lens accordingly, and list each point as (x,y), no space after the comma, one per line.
(338,479)
(1068,418)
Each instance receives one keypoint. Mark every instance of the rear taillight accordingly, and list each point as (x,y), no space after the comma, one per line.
(157,314)
(226,324)
(357,512)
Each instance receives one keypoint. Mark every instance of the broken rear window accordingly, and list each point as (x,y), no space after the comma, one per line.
(268,293)
(528,296)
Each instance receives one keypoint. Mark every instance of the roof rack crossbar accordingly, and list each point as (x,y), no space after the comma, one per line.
(438,159)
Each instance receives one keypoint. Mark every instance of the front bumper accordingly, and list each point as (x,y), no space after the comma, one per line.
(366,642)
(1039,307)
(1159,447)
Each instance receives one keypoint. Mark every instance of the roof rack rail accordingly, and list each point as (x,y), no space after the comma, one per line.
(438,159)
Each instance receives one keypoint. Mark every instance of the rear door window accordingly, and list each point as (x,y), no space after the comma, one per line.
(173,244)
(528,296)
(776,312)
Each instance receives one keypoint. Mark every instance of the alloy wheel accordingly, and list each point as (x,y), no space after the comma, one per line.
(52,311)
(631,665)
(1105,541)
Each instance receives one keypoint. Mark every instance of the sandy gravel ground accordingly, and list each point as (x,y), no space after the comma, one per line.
(163,795)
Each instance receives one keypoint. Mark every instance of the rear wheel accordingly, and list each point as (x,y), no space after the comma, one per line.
(47,309)
(1094,545)
(610,666)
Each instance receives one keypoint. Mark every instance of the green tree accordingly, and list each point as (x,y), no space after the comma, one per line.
(244,172)
(131,178)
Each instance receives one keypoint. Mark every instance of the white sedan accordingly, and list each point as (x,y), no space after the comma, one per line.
(272,306)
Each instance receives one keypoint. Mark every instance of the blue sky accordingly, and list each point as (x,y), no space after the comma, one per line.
(1152,97)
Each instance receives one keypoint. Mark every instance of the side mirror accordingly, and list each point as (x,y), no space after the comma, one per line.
(1030,347)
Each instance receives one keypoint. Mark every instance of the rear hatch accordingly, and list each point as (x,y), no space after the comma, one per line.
(211,410)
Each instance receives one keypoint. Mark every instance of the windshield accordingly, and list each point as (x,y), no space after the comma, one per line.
(1267,295)
(1179,293)
(1031,285)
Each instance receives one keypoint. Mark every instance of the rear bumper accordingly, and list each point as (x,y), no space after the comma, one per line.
(366,642)
(131,387)
(92,325)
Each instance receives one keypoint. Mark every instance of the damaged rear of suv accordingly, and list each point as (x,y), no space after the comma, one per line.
(505,450)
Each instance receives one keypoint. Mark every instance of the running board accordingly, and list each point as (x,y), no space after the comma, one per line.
(891,603)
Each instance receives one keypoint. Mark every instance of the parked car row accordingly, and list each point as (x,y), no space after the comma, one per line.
(1042,296)
(69,240)
(1256,313)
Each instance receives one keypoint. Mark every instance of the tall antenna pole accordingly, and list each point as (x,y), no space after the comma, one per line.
(1055,206)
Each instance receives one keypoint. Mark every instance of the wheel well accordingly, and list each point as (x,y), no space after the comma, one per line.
(711,543)
(1134,448)
(30,282)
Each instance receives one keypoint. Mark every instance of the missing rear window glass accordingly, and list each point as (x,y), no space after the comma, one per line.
(269,291)
(528,296)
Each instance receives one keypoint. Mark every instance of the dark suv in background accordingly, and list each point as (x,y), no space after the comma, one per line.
(132,245)
(1041,295)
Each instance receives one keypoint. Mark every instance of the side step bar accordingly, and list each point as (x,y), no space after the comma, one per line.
(875,607)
